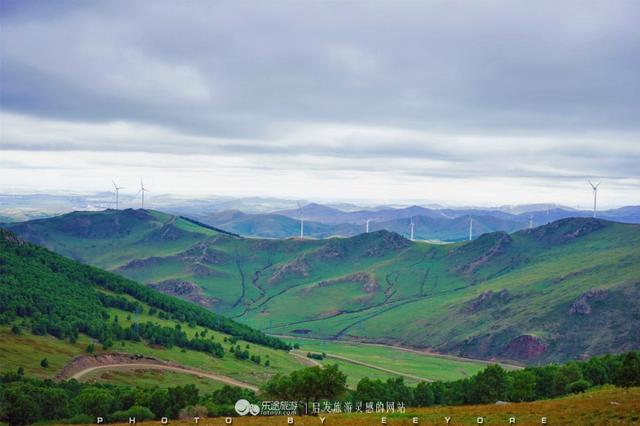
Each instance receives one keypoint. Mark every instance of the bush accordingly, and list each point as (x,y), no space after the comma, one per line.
(188,413)
(578,386)
(220,410)
(140,413)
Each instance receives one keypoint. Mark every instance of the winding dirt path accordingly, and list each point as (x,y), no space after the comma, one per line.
(85,364)
(141,366)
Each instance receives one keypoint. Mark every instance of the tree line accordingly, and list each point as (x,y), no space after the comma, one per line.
(62,297)
(490,385)
(24,400)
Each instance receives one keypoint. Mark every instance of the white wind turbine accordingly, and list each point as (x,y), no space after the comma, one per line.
(470,228)
(411,224)
(142,191)
(367,227)
(301,221)
(595,196)
(118,188)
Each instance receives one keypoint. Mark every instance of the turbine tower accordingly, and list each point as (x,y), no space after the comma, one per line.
(142,191)
(301,221)
(530,221)
(117,189)
(411,224)
(367,228)
(470,228)
(595,196)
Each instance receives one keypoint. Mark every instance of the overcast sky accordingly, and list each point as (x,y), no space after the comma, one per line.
(485,103)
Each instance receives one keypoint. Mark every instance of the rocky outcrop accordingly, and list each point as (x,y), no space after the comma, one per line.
(485,299)
(204,253)
(564,230)
(185,290)
(497,248)
(387,242)
(141,263)
(582,307)
(298,267)
(524,347)
(369,284)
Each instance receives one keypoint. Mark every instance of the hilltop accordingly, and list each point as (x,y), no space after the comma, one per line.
(54,307)
(567,289)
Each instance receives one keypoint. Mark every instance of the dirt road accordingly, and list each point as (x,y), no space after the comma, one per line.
(83,365)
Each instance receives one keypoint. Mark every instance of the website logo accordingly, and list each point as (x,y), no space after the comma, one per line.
(244,407)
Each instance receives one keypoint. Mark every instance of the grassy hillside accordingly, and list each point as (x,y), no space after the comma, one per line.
(565,290)
(55,308)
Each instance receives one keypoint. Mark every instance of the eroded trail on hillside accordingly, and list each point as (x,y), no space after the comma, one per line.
(83,365)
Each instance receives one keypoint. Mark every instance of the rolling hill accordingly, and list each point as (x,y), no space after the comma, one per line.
(57,308)
(568,289)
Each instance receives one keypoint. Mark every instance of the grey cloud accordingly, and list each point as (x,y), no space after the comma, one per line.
(247,79)
(490,66)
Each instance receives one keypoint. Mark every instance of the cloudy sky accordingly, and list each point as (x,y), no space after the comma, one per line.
(482,103)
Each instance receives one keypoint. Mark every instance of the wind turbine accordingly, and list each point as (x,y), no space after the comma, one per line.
(301,221)
(470,228)
(411,223)
(530,221)
(142,191)
(595,196)
(367,228)
(117,189)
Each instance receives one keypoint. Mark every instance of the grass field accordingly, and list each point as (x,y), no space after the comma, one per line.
(607,406)
(431,367)
(151,378)
(27,350)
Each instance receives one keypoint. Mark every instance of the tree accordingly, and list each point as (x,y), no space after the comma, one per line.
(19,407)
(308,384)
(595,371)
(568,373)
(629,372)
(16,330)
(423,395)
(44,363)
(158,402)
(522,386)
(94,402)
(578,386)
(179,397)
(91,348)
(489,385)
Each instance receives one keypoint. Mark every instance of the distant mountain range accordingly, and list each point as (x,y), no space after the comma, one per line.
(275,218)
(444,224)
(566,289)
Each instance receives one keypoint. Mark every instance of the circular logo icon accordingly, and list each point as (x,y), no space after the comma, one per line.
(242,407)
(254,410)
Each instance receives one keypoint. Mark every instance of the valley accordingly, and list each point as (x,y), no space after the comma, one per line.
(499,297)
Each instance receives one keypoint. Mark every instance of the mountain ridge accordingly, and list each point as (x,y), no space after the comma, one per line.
(494,296)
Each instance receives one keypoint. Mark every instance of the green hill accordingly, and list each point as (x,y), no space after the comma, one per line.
(565,290)
(56,308)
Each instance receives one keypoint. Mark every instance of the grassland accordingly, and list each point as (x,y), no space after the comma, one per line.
(500,296)
(408,363)
(605,406)
(151,378)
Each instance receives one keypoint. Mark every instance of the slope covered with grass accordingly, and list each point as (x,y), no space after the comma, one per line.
(565,290)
